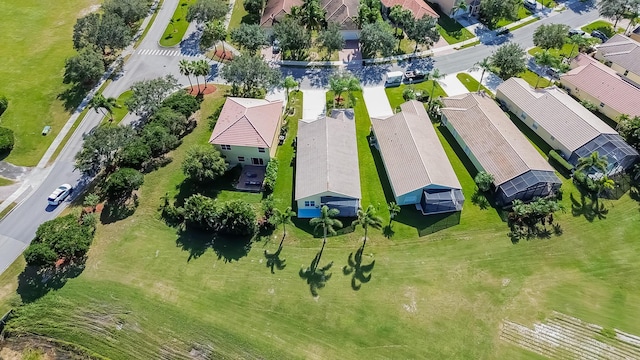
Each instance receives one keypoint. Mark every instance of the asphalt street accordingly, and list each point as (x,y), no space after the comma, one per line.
(19,227)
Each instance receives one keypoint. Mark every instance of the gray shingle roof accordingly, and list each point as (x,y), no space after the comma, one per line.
(623,51)
(494,140)
(327,156)
(558,113)
(412,153)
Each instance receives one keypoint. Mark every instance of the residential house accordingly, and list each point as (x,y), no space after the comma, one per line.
(495,145)
(344,13)
(448,6)
(276,10)
(595,82)
(418,8)
(565,125)
(623,55)
(247,130)
(327,170)
(635,34)
(418,169)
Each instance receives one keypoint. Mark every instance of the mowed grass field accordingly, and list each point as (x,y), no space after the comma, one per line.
(36,42)
(148,293)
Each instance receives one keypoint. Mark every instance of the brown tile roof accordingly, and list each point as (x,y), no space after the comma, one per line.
(418,8)
(623,51)
(327,156)
(558,113)
(603,83)
(247,122)
(411,151)
(342,12)
(276,10)
(492,138)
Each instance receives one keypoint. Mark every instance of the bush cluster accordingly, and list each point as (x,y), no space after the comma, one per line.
(6,140)
(235,217)
(271,175)
(560,163)
(4,104)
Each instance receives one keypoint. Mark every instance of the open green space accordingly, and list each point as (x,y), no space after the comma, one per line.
(603,26)
(472,84)
(178,24)
(532,78)
(37,40)
(149,291)
(240,16)
(451,30)
(522,13)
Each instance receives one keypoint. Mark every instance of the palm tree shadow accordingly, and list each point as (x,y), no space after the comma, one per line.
(388,232)
(316,277)
(360,274)
(589,208)
(274,261)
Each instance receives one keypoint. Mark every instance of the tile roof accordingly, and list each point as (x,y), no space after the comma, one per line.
(603,83)
(342,12)
(247,122)
(411,151)
(327,156)
(558,113)
(623,51)
(492,138)
(418,8)
(276,10)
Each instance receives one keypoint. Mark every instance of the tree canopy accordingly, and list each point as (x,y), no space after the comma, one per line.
(369,12)
(123,182)
(100,148)
(510,60)
(423,31)
(182,102)
(491,11)
(377,38)
(250,37)
(331,39)
(294,38)
(84,68)
(207,10)
(549,36)
(250,75)
(129,10)
(203,164)
(148,95)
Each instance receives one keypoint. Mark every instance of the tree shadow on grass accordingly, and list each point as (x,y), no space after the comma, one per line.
(72,97)
(119,209)
(35,281)
(315,276)
(188,187)
(360,274)
(274,261)
(388,231)
(197,242)
(589,208)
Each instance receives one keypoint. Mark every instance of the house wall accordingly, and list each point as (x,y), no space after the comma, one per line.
(606,109)
(317,200)
(462,144)
(274,141)
(526,119)
(231,156)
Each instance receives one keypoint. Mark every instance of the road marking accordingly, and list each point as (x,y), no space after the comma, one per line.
(157,52)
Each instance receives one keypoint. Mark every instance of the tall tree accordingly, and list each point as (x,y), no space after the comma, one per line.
(113,34)
(202,68)
(100,148)
(593,162)
(331,39)
(510,60)
(484,65)
(129,10)
(148,95)
(613,9)
(85,31)
(207,10)
(550,36)
(106,104)
(122,183)
(367,218)
(328,223)
(394,210)
(546,60)
(250,37)
(283,218)
(186,69)
(289,83)
(423,31)
(343,81)
(377,38)
(85,68)
(435,75)
(254,7)
(491,11)
(249,75)
(294,39)
(213,32)
(402,19)
(633,15)
(369,12)
(578,41)
(310,14)
(629,128)
(203,164)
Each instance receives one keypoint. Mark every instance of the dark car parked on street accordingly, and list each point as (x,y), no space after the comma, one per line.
(599,35)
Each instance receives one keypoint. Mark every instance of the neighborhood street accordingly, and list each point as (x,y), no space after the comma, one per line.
(149,60)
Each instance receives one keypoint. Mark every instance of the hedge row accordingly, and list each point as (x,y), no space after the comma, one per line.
(560,163)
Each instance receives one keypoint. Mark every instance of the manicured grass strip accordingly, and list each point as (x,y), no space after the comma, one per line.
(283,192)
(565,51)
(471,83)
(603,26)
(532,78)
(548,3)
(5,181)
(471,44)
(120,112)
(153,18)
(7,210)
(451,30)
(395,93)
(175,31)
(522,13)
(524,24)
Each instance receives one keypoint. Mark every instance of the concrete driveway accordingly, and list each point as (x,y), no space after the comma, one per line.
(377,103)
(452,86)
(314,102)
(490,80)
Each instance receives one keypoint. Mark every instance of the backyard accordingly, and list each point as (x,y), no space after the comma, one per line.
(37,101)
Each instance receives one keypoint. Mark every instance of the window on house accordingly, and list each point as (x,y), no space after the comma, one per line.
(240,158)
(261,150)
(225,147)
(553,139)
(626,72)
(601,105)
(523,115)
(309,203)
(534,125)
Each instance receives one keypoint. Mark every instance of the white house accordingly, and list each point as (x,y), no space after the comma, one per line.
(327,165)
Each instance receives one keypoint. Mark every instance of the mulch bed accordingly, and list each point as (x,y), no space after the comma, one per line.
(210,89)
(223,55)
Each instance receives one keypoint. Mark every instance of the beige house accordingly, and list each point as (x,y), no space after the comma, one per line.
(623,55)
(495,145)
(447,6)
(418,169)
(595,82)
(327,170)
(247,131)
(565,124)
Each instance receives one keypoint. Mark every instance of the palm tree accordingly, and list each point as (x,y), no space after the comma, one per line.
(310,14)
(99,102)
(186,69)
(594,161)
(394,209)
(289,83)
(633,15)
(203,69)
(435,75)
(284,218)
(579,41)
(484,65)
(341,82)
(545,59)
(459,5)
(328,224)
(367,218)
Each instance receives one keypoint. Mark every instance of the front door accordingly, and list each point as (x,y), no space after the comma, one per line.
(257,161)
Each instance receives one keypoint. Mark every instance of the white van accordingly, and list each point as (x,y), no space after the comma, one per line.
(394,78)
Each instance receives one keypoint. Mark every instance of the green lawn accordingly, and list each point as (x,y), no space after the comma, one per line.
(471,83)
(148,292)
(121,111)
(283,192)
(548,3)
(603,26)
(532,78)
(522,13)
(5,181)
(37,40)
(514,28)
(564,52)
(451,30)
(175,31)
(395,93)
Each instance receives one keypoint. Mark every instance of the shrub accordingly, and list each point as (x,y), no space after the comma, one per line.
(174,121)
(271,175)
(182,102)
(203,164)
(484,181)
(589,105)
(4,104)
(200,211)
(236,218)
(123,182)
(135,154)
(6,140)
(560,163)
(61,237)
(408,94)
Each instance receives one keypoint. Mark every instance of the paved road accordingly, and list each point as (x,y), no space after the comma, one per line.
(152,60)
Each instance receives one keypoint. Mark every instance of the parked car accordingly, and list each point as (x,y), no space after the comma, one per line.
(503,31)
(58,195)
(599,35)
(554,73)
(414,75)
(275,49)
(576,32)
(530,4)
